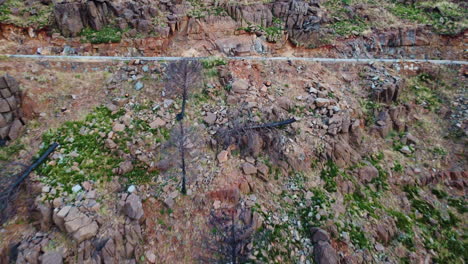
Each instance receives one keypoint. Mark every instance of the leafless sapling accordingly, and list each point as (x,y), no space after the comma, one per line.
(182,76)
(232,230)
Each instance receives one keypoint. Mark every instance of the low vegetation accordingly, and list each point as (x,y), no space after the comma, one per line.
(22,14)
(108,34)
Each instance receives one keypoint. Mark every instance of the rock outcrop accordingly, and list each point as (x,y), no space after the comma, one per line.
(72,17)
(11,115)
(324,253)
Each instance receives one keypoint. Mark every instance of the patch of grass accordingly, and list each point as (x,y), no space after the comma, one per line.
(328,174)
(80,144)
(438,229)
(410,12)
(108,34)
(18,13)
(212,62)
(363,200)
(83,156)
(7,152)
(357,236)
(349,27)
(439,151)
(381,180)
(397,167)
(444,16)
(370,108)
(345,22)
(441,194)
(459,204)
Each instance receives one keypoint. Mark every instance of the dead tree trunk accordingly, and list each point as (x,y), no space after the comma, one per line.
(181,77)
(182,157)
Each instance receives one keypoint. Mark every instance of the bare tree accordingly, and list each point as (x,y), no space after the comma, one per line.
(231,232)
(181,77)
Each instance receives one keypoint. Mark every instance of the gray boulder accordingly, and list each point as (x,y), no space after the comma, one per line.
(133,207)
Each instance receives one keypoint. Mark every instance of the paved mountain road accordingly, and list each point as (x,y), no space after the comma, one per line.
(325,60)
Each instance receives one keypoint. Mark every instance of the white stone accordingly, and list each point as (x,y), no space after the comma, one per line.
(405,150)
(131,188)
(46,189)
(76,188)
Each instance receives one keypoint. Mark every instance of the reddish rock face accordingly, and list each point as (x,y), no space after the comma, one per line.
(11,120)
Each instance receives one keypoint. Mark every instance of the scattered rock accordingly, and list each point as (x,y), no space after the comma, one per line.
(150,257)
(158,122)
(210,118)
(117,127)
(76,188)
(240,86)
(249,168)
(322,102)
(125,167)
(319,235)
(133,207)
(52,257)
(324,253)
(406,150)
(139,86)
(80,225)
(223,156)
(367,173)
(131,189)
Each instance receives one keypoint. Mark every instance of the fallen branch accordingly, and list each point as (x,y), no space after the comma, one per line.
(5,195)
(271,125)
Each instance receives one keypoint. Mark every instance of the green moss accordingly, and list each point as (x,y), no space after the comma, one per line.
(108,34)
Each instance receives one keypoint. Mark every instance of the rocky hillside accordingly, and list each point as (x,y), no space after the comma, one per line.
(334,28)
(368,164)
(233,160)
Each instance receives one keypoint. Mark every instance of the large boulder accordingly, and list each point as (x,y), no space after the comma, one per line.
(367,173)
(324,253)
(52,257)
(81,226)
